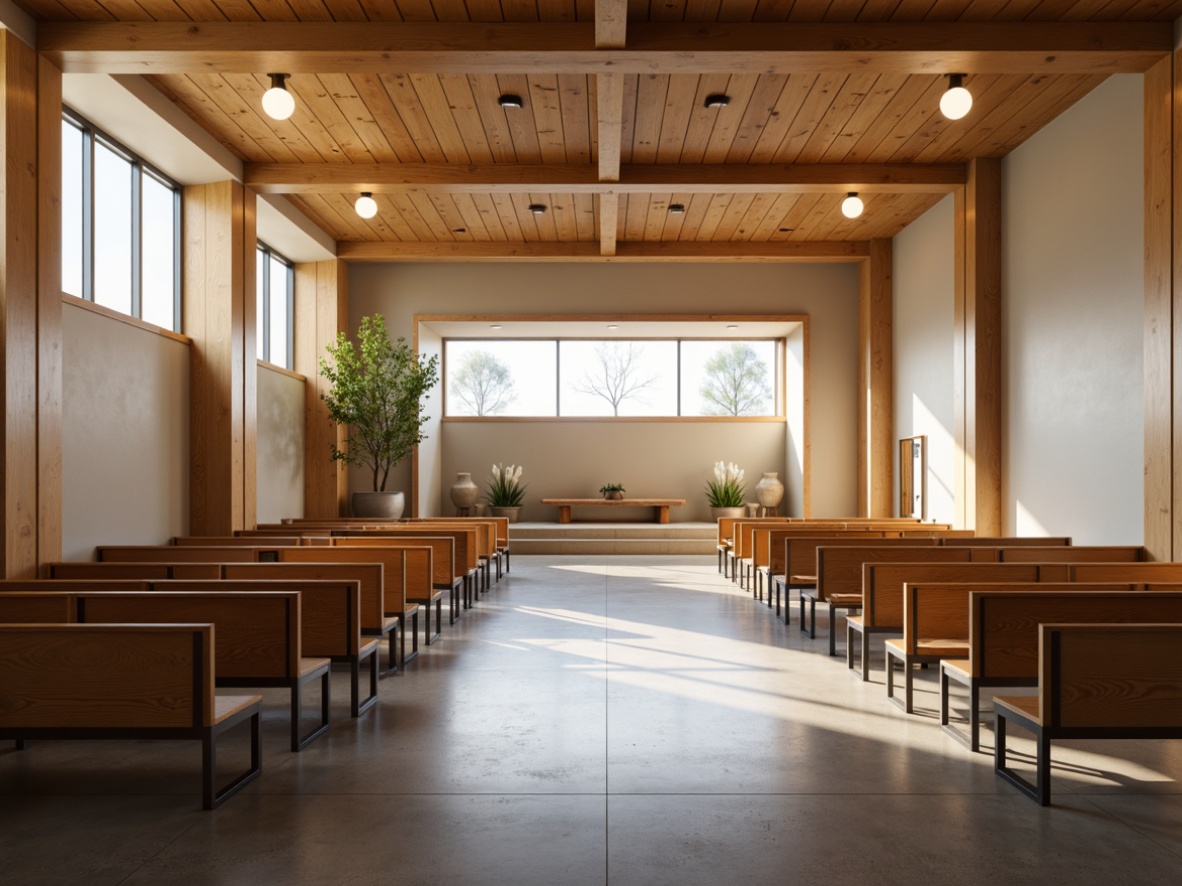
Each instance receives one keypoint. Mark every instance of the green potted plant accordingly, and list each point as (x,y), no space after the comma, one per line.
(505,492)
(612,491)
(725,492)
(377,388)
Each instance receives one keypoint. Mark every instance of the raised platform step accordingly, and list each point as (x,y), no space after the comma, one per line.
(613,538)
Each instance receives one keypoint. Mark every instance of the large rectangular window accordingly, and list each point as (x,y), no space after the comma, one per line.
(120,227)
(612,378)
(275,287)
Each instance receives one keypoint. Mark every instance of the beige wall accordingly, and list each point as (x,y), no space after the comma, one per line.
(1072,312)
(826,292)
(125,437)
(280,450)
(924,270)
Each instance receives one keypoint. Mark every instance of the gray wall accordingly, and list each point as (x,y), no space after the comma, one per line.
(924,269)
(564,455)
(125,434)
(280,448)
(1072,313)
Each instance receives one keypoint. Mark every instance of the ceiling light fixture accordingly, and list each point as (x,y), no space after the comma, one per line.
(677,208)
(278,103)
(733,326)
(537,208)
(851,206)
(366,205)
(612,326)
(495,326)
(509,100)
(956,100)
(717,100)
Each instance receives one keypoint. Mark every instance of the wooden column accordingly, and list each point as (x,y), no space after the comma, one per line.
(219,308)
(977,360)
(30,309)
(1163,289)
(321,311)
(875,382)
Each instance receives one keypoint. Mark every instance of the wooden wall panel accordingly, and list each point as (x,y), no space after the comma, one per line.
(321,311)
(978,349)
(18,306)
(250,366)
(214,221)
(49,312)
(1159,313)
(875,382)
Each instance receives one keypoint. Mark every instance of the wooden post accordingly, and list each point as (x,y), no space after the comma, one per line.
(875,382)
(321,311)
(977,360)
(219,278)
(30,309)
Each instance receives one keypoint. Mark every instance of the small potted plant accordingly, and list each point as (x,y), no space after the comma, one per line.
(725,492)
(612,491)
(505,492)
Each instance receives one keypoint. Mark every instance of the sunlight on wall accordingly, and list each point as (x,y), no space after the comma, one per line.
(1025,523)
(941,473)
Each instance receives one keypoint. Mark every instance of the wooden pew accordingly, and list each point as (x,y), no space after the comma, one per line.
(1003,638)
(456,565)
(444,574)
(936,623)
(370,582)
(800,560)
(135,681)
(224,541)
(403,593)
(840,575)
(258,638)
(330,624)
(489,545)
(882,588)
(1095,681)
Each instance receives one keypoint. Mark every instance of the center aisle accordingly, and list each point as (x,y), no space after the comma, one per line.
(641,721)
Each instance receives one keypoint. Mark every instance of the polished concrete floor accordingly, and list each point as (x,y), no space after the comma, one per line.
(600,720)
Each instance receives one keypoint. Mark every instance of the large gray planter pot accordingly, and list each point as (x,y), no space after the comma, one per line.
(378,505)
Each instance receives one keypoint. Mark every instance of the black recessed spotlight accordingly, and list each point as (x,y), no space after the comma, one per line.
(677,208)
(787,230)
(717,100)
(537,208)
(459,230)
(508,100)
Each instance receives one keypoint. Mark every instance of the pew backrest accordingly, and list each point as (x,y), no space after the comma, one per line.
(444,570)
(1004,625)
(839,567)
(882,583)
(106,676)
(226,541)
(37,607)
(330,611)
(800,552)
(133,571)
(397,589)
(257,635)
(194,554)
(1125,677)
(368,577)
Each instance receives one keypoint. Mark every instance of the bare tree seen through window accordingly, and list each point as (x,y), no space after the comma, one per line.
(616,376)
(483,384)
(736,382)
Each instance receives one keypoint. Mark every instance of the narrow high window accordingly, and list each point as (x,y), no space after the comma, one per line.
(275,287)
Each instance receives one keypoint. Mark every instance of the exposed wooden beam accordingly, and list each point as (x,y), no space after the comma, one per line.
(569,47)
(609,221)
(393,178)
(611,23)
(549,251)
(610,103)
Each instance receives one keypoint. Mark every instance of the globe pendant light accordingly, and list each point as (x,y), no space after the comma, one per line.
(277,101)
(366,205)
(956,100)
(851,206)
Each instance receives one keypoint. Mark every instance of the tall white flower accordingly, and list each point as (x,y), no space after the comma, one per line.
(517,473)
(720,472)
(496,472)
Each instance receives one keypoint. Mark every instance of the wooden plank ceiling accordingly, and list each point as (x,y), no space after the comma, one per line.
(612,152)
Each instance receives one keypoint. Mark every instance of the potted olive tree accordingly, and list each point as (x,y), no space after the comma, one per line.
(377,390)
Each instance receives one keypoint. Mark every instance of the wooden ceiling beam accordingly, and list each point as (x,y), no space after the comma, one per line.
(394,178)
(570,47)
(549,251)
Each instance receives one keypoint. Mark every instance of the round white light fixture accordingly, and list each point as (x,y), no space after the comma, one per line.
(733,326)
(612,326)
(366,205)
(956,100)
(278,103)
(495,326)
(851,206)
